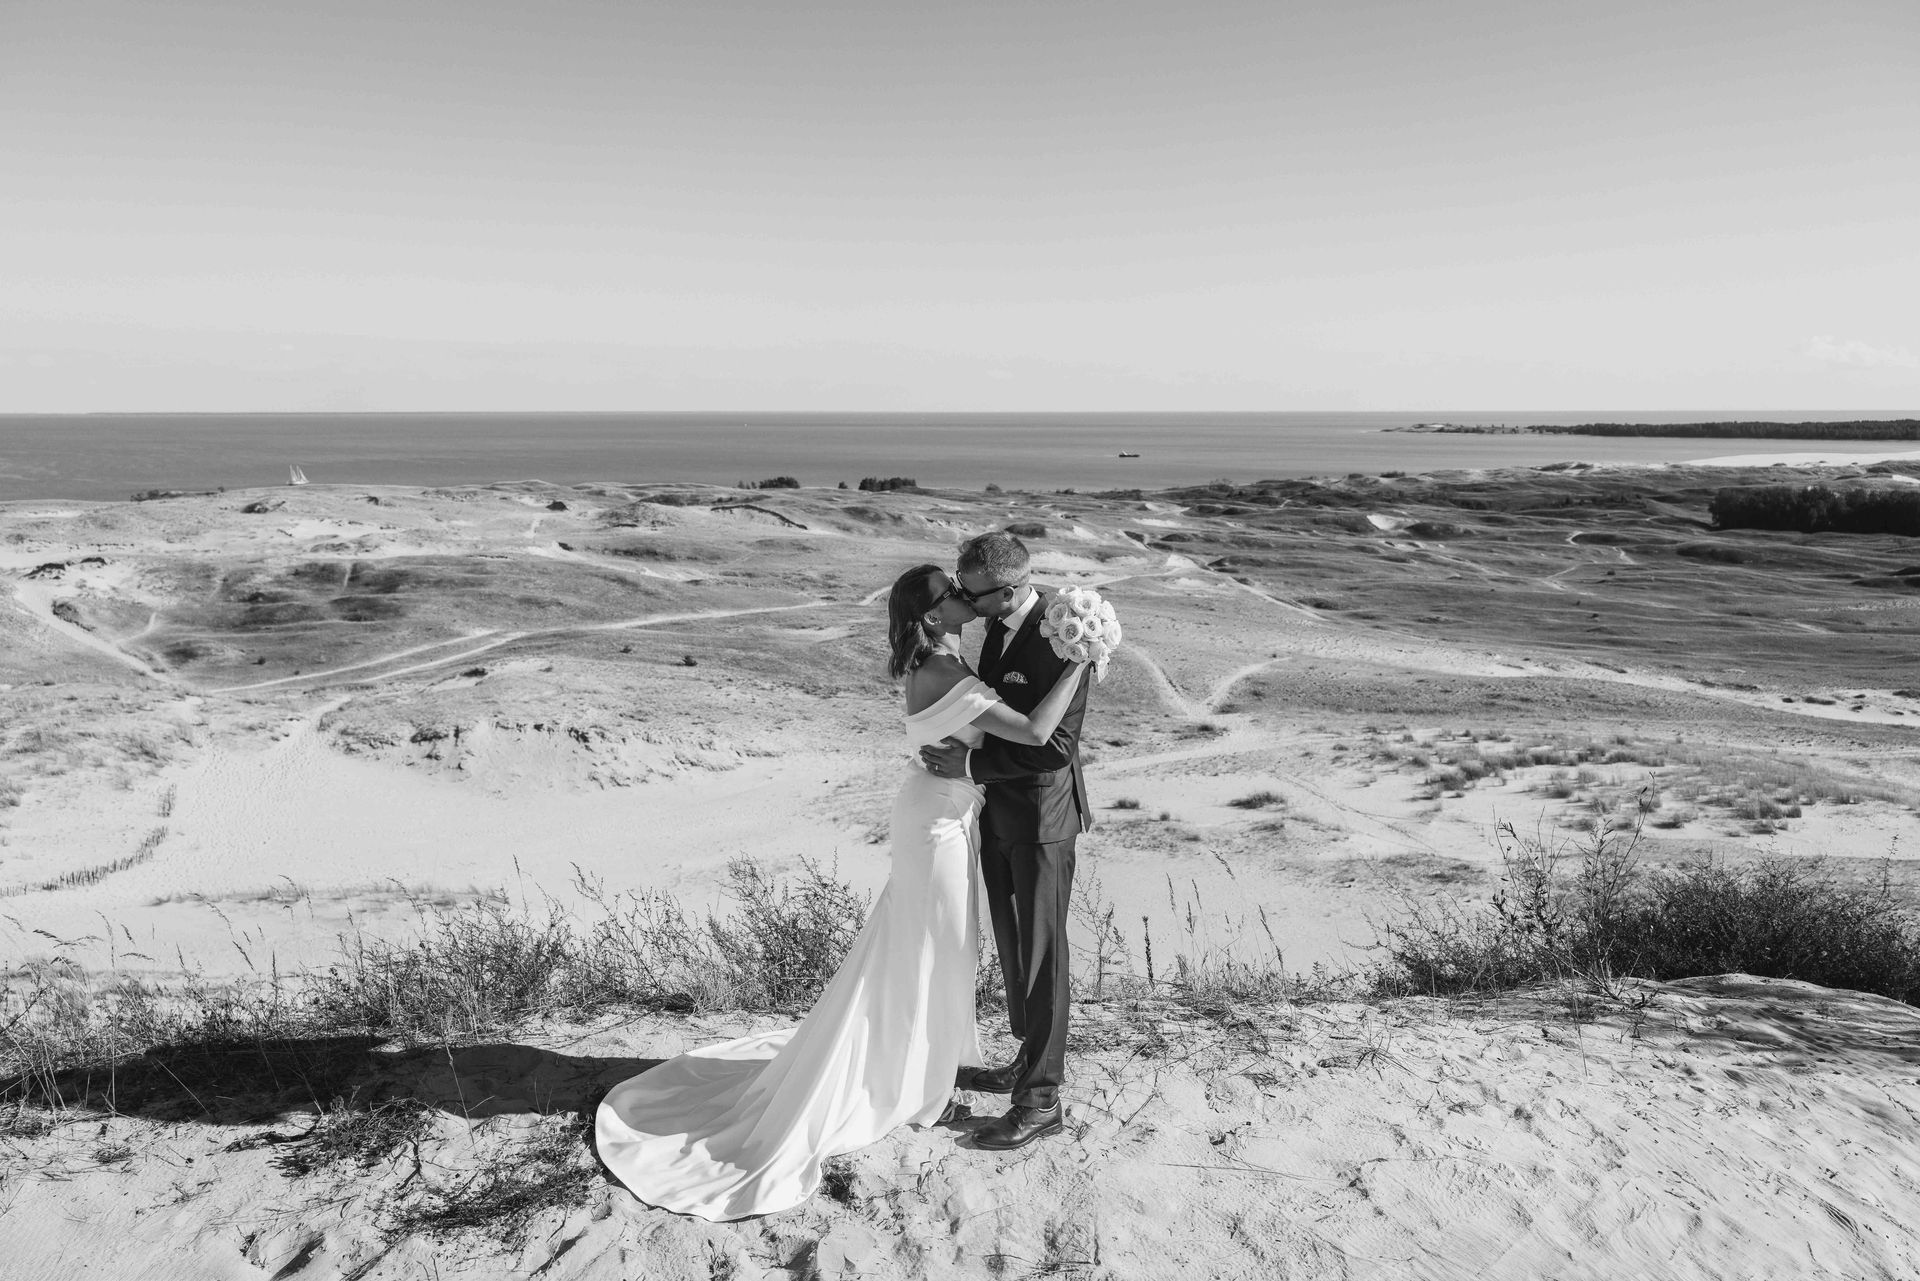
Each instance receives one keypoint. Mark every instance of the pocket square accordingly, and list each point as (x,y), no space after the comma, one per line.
(1015,678)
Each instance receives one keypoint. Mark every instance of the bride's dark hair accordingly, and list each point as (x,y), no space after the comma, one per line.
(907,604)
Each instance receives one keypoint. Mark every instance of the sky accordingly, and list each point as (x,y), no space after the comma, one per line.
(256,205)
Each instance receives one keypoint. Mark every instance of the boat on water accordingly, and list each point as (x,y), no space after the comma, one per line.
(295,476)
(1125,454)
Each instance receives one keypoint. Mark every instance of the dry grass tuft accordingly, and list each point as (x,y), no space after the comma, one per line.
(550,1169)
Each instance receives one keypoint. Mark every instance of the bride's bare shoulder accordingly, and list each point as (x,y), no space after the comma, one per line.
(930,682)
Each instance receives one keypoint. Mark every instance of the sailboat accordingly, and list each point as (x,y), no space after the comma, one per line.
(295,476)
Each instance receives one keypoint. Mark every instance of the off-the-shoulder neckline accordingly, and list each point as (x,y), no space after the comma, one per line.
(965,685)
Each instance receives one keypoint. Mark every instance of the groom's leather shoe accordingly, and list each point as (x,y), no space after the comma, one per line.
(1019,1127)
(995,1080)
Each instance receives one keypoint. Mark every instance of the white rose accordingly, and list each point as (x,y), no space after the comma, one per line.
(1078,653)
(1057,611)
(1113,633)
(1072,631)
(1085,604)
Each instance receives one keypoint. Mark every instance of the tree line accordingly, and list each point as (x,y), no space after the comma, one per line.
(1813,509)
(1861,429)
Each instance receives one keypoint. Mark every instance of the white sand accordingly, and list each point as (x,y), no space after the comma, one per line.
(1733,1129)
(1809,458)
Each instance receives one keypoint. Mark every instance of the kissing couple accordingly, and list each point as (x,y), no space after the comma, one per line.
(995,797)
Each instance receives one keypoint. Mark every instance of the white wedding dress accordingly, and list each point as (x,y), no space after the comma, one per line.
(743,1127)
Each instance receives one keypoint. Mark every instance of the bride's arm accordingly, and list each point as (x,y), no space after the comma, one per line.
(936,676)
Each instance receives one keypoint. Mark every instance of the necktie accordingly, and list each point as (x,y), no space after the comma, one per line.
(990,648)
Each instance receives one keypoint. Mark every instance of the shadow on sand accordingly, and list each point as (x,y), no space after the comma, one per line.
(258,1081)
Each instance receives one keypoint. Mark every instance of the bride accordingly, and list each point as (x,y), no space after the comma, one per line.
(743,1127)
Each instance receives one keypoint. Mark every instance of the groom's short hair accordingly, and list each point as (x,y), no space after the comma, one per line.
(997,554)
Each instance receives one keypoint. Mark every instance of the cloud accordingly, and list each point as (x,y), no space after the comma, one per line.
(1851,351)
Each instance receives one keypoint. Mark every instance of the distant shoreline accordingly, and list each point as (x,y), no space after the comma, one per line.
(1859,429)
(107,458)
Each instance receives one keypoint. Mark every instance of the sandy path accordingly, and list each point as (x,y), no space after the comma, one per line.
(508,638)
(1169,692)
(354,667)
(37,601)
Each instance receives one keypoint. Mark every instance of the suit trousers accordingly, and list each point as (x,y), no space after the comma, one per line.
(1028,890)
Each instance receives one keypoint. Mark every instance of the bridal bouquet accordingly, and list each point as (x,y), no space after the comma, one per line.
(1082,628)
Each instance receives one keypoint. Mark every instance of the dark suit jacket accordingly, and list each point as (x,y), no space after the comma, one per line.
(1034,794)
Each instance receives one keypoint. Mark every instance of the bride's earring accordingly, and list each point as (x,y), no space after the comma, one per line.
(931,622)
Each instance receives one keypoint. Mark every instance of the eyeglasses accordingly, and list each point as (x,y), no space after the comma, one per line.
(974,598)
(953,590)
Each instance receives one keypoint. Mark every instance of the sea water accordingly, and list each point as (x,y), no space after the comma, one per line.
(113,456)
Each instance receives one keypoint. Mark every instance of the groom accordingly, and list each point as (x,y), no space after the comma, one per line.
(1036,805)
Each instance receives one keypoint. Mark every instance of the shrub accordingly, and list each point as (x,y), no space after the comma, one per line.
(1027,529)
(1257,800)
(779,482)
(783,943)
(71,1039)
(1124,803)
(466,970)
(876,484)
(1589,911)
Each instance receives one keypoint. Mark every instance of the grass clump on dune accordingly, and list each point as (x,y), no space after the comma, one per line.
(491,964)
(69,1038)
(1585,909)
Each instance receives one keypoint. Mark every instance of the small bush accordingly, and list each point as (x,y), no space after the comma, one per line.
(1027,529)
(783,943)
(878,484)
(465,972)
(70,1039)
(1590,911)
(779,482)
(1124,803)
(1260,800)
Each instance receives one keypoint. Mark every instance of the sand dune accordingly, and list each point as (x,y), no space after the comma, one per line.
(337,711)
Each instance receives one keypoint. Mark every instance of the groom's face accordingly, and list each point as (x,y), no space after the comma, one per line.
(989,597)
